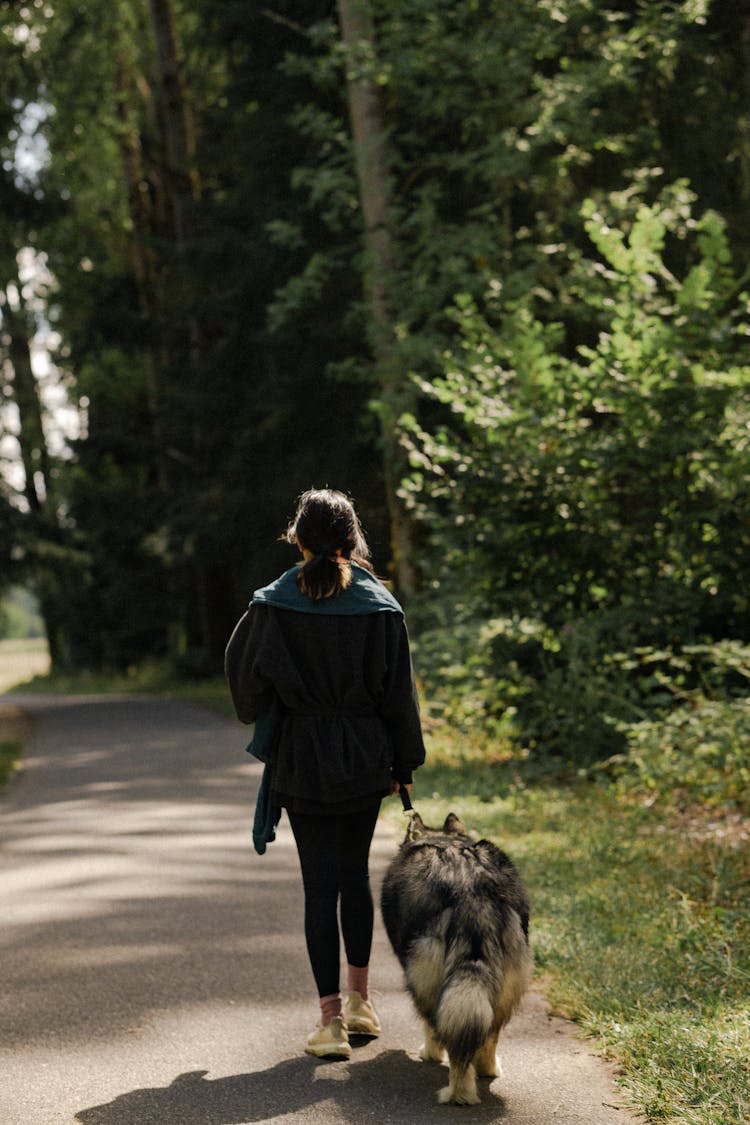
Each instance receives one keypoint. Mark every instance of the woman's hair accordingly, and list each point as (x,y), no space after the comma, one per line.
(327,525)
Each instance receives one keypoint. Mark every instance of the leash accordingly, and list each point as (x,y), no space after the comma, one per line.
(403,793)
(413,832)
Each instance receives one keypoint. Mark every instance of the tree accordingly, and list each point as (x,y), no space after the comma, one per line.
(35,547)
(146,207)
(373,177)
(178,134)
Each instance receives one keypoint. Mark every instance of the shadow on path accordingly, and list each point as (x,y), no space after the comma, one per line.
(130,883)
(390,1087)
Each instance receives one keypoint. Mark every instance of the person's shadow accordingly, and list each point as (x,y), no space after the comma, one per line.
(391,1087)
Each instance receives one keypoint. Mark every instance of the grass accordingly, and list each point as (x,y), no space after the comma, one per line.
(14,730)
(20,660)
(148,679)
(10,752)
(640,923)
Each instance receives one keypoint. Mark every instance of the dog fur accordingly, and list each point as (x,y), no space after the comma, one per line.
(457,915)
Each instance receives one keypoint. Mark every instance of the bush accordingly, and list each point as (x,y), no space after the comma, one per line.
(660,719)
(553,695)
(699,752)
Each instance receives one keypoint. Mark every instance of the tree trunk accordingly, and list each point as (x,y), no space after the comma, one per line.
(181,175)
(146,268)
(43,532)
(178,131)
(25,394)
(744,118)
(371,159)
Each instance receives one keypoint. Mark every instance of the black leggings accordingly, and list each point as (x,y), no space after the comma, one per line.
(334,852)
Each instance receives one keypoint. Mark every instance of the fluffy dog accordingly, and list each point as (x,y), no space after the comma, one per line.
(457,916)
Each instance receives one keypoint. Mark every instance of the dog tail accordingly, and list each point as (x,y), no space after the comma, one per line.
(465,1011)
(487,970)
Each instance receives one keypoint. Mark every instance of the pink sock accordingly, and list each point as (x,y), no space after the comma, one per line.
(358,980)
(330,1006)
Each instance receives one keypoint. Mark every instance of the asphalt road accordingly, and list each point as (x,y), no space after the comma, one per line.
(153,968)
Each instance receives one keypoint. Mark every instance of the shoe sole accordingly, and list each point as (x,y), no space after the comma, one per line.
(361,1027)
(328,1051)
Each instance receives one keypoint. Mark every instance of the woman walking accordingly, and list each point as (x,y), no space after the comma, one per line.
(326,645)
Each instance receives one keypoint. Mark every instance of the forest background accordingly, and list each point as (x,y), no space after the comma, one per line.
(485,267)
(482,265)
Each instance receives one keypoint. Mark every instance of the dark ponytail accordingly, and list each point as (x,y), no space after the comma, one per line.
(326,524)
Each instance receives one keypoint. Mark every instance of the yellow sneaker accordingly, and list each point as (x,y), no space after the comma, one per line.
(330,1042)
(360,1016)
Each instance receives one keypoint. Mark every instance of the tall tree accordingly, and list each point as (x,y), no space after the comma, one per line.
(37,548)
(177,120)
(22,386)
(373,178)
(181,176)
(145,196)
(744,117)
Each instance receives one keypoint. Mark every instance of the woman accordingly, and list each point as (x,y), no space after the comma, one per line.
(327,643)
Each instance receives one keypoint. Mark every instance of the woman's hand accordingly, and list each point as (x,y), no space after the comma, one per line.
(396,786)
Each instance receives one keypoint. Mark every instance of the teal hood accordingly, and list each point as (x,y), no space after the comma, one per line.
(365,594)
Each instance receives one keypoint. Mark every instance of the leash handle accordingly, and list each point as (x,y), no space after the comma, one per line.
(403,793)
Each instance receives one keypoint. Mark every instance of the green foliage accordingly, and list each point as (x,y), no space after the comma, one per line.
(173,500)
(500,121)
(698,752)
(596,494)
(535,107)
(9,755)
(551,694)
(695,753)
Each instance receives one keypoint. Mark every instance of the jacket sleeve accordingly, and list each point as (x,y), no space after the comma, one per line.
(251,690)
(400,709)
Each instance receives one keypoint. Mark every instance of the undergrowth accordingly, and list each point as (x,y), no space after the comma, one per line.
(10,752)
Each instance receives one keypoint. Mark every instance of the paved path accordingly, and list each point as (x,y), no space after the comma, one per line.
(153,968)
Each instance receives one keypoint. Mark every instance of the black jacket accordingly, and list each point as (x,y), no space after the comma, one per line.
(350,716)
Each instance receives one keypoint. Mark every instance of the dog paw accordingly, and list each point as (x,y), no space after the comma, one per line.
(457,1097)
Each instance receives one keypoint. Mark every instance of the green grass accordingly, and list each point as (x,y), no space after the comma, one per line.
(10,752)
(150,679)
(14,730)
(639,922)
